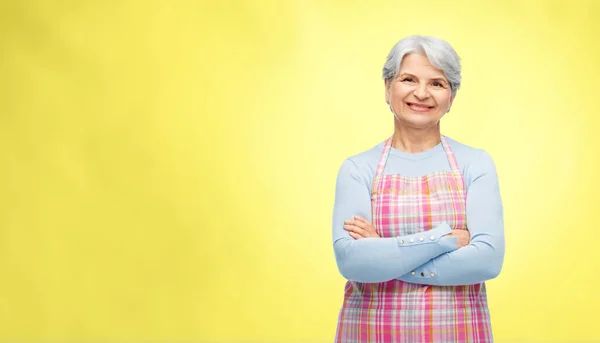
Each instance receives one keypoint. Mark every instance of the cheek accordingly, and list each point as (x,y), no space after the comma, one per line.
(443,98)
(399,93)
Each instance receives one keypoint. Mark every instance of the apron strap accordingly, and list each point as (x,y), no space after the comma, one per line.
(376,186)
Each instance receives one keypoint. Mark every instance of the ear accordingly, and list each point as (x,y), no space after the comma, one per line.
(387,91)
(451,102)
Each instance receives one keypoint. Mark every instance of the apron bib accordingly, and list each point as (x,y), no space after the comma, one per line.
(401,312)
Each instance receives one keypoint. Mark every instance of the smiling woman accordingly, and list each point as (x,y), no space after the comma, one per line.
(419,88)
(418,220)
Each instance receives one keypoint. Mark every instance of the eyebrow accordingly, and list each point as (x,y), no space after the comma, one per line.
(413,75)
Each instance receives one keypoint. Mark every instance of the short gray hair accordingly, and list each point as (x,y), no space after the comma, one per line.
(439,52)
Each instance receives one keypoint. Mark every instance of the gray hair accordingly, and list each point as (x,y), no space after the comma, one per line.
(439,52)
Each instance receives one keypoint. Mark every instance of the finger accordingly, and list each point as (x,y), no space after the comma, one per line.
(362,219)
(355,229)
(355,235)
(365,224)
(355,223)
(360,224)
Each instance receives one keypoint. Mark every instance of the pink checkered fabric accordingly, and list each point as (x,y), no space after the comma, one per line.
(401,312)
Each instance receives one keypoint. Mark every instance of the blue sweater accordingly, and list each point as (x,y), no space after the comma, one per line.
(435,260)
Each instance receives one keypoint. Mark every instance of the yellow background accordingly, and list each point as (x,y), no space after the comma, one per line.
(168,167)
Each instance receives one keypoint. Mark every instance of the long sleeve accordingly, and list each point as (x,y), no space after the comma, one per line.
(377,259)
(482,259)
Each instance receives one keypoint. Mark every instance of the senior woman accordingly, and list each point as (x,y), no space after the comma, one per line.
(418,220)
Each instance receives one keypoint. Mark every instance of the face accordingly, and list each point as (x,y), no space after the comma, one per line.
(420,94)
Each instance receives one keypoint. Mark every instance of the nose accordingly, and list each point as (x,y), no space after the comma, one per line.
(421,92)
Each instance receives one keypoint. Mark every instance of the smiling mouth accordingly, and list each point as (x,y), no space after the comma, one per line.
(419,108)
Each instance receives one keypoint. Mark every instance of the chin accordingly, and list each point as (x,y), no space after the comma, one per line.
(419,121)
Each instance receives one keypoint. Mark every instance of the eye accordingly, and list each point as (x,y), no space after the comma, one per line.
(407,79)
(437,84)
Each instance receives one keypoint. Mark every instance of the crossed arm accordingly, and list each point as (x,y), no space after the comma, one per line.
(377,259)
(482,259)
(434,261)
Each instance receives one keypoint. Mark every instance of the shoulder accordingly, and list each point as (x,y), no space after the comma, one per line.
(368,156)
(465,154)
(362,165)
(474,162)
(468,154)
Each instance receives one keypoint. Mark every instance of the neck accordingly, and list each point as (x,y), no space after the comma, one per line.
(414,140)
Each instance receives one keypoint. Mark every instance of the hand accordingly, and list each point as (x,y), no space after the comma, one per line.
(463,237)
(360,228)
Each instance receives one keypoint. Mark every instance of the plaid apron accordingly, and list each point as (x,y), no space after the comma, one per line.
(402,312)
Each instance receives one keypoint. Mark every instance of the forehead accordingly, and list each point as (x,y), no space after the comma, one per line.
(419,65)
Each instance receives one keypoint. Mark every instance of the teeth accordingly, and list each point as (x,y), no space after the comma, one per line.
(418,107)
